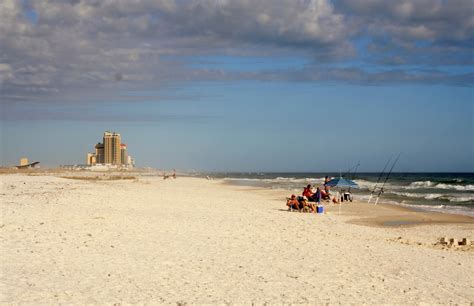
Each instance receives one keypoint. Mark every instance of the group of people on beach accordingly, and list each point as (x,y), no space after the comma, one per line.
(311,198)
(166,176)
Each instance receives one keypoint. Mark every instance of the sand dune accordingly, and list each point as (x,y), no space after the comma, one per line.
(198,241)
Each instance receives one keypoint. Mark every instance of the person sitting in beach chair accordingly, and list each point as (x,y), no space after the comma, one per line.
(309,205)
(325,195)
(299,203)
(306,205)
(293,203)
(308,193)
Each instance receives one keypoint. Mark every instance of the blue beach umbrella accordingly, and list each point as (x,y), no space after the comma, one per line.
(341,183)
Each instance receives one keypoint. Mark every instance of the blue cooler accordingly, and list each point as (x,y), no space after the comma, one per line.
(320,209)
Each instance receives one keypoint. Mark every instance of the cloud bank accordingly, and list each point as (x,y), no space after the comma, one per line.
(52,48)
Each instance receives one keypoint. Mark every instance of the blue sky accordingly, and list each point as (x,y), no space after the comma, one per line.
(262,86)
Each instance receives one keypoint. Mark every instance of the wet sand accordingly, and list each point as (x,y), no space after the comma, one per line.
(389,215)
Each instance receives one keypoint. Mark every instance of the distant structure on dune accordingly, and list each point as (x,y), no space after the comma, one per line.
(110,152)
(24,164)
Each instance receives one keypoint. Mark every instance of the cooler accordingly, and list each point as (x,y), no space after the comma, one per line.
(320,209)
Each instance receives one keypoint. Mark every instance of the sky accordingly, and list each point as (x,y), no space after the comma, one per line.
(220,85)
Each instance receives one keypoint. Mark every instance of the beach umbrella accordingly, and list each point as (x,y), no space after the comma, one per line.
(341,183)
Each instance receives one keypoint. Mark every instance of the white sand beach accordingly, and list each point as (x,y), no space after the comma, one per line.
(192,240)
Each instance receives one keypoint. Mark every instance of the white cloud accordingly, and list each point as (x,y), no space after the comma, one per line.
(94,44)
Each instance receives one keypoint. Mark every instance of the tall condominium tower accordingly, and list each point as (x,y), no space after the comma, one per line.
(112,153)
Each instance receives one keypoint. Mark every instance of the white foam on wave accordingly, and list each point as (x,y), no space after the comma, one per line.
(435,196)
(432,196)
(455,187)
(363,184)
(423,184)
(366,197)
(241,179)
(462,199)
(430,184)
(279,180)
(297,180)
(429,196)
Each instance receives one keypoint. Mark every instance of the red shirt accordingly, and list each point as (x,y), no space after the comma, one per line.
(307,192)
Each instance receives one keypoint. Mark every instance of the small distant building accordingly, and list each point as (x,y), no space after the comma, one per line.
(23,161)
(123,154)
(99,153)
(91,159)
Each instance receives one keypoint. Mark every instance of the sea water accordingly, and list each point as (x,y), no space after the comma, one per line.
(443,192)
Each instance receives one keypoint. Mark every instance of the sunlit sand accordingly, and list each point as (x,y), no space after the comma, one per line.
(201,241)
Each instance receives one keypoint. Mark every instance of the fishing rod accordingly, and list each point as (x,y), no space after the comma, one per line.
(353,174)
(388,175)
(355,171)
(347,174)
(378,180)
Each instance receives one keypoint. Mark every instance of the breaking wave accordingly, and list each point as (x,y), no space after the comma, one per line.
(435,196)
(430,184)
(422,184)
(455,187)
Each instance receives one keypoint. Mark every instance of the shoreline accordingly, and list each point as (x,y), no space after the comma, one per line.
(382,214)
(134,174)
(456,210)
(452,209)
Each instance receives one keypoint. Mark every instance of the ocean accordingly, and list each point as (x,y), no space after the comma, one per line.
(442,192)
